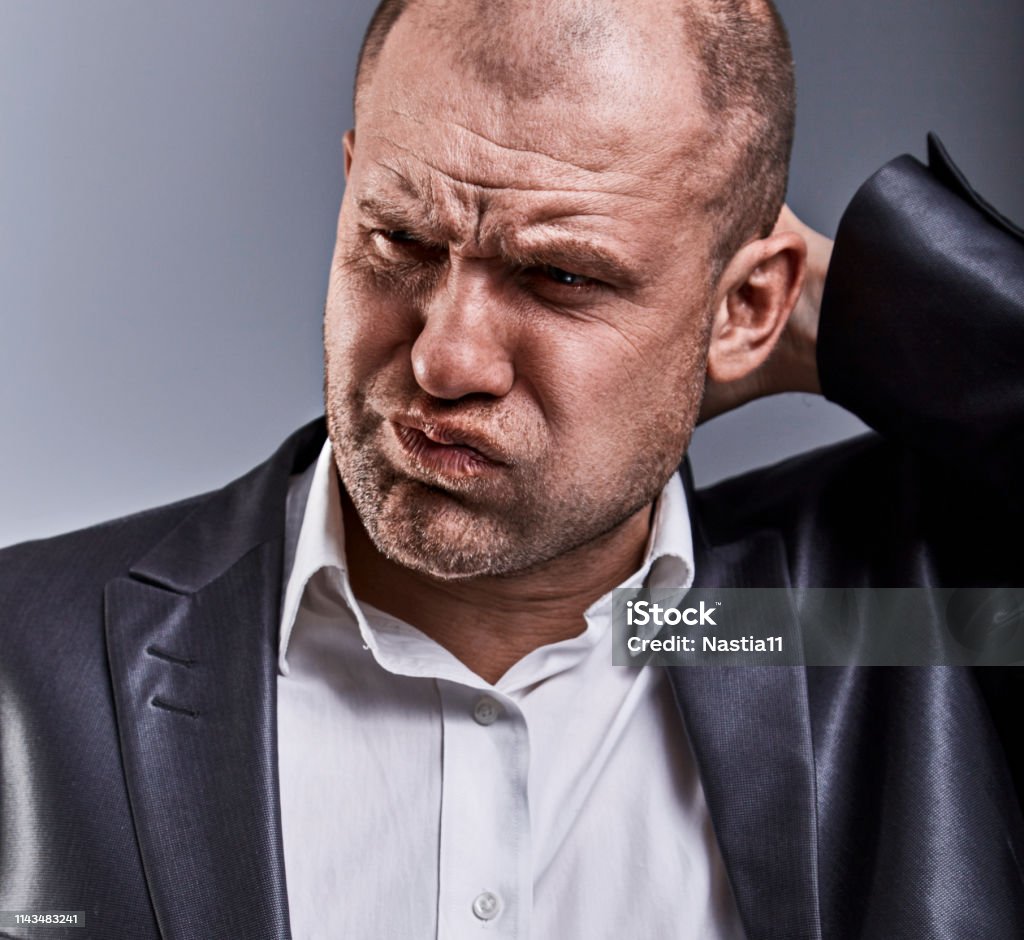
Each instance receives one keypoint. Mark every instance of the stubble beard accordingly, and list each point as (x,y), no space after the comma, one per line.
(434,529)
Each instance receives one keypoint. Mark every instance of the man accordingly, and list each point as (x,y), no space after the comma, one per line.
(367,690)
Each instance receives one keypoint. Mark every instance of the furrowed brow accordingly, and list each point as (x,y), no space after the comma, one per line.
(386,211)
(391,197)
(406,215)
(576,254)
(559,250)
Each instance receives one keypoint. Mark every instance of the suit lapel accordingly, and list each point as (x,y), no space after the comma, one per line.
(191,639)
(751,734)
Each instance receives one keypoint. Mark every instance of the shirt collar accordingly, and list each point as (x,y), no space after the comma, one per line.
(315,536)
(668,561)
(317,532)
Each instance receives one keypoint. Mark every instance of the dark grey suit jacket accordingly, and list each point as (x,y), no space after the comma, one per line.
(138,753)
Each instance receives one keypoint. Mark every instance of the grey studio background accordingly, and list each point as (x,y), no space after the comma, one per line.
(170,174)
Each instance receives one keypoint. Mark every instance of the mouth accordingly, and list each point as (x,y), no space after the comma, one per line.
(446,450)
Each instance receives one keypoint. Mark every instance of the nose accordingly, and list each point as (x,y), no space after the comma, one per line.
(465,345)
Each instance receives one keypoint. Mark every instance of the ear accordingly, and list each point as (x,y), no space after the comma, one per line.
(755,295)
(349,143)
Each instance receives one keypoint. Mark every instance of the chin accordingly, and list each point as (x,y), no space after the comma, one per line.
(431,533)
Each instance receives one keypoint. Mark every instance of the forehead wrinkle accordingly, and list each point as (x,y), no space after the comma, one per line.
(614,161)
(473,215)
(407,186)
(428,199)
(533,151)
(618,185)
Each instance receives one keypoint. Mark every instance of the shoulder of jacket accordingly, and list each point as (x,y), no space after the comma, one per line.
(76,565)
(851,472)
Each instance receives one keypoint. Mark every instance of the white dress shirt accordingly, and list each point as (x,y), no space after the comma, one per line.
(420,801)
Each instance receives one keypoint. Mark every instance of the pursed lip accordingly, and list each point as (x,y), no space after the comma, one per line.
(447,447)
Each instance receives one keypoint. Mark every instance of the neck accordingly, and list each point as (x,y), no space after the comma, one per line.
(490,623)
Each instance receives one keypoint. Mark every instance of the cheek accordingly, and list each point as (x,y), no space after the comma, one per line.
(602,380)
(363,327)
(624,405)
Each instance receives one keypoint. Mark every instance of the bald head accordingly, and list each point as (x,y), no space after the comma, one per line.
(524,48)
(740,48)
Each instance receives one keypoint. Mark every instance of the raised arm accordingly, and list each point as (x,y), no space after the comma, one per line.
(921,330)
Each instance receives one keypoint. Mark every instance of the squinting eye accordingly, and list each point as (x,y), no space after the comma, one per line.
(399,236)
(564,277)
(398,244)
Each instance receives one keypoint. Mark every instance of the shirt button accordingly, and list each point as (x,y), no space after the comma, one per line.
(486,713)
(486,906)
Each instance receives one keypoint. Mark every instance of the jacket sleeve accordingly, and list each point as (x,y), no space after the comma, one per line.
(922,327)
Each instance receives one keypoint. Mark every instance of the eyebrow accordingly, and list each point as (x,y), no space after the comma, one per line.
(382,209)
(560,250)
(572,253)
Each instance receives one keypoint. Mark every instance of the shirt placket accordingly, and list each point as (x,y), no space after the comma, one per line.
(485,883)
